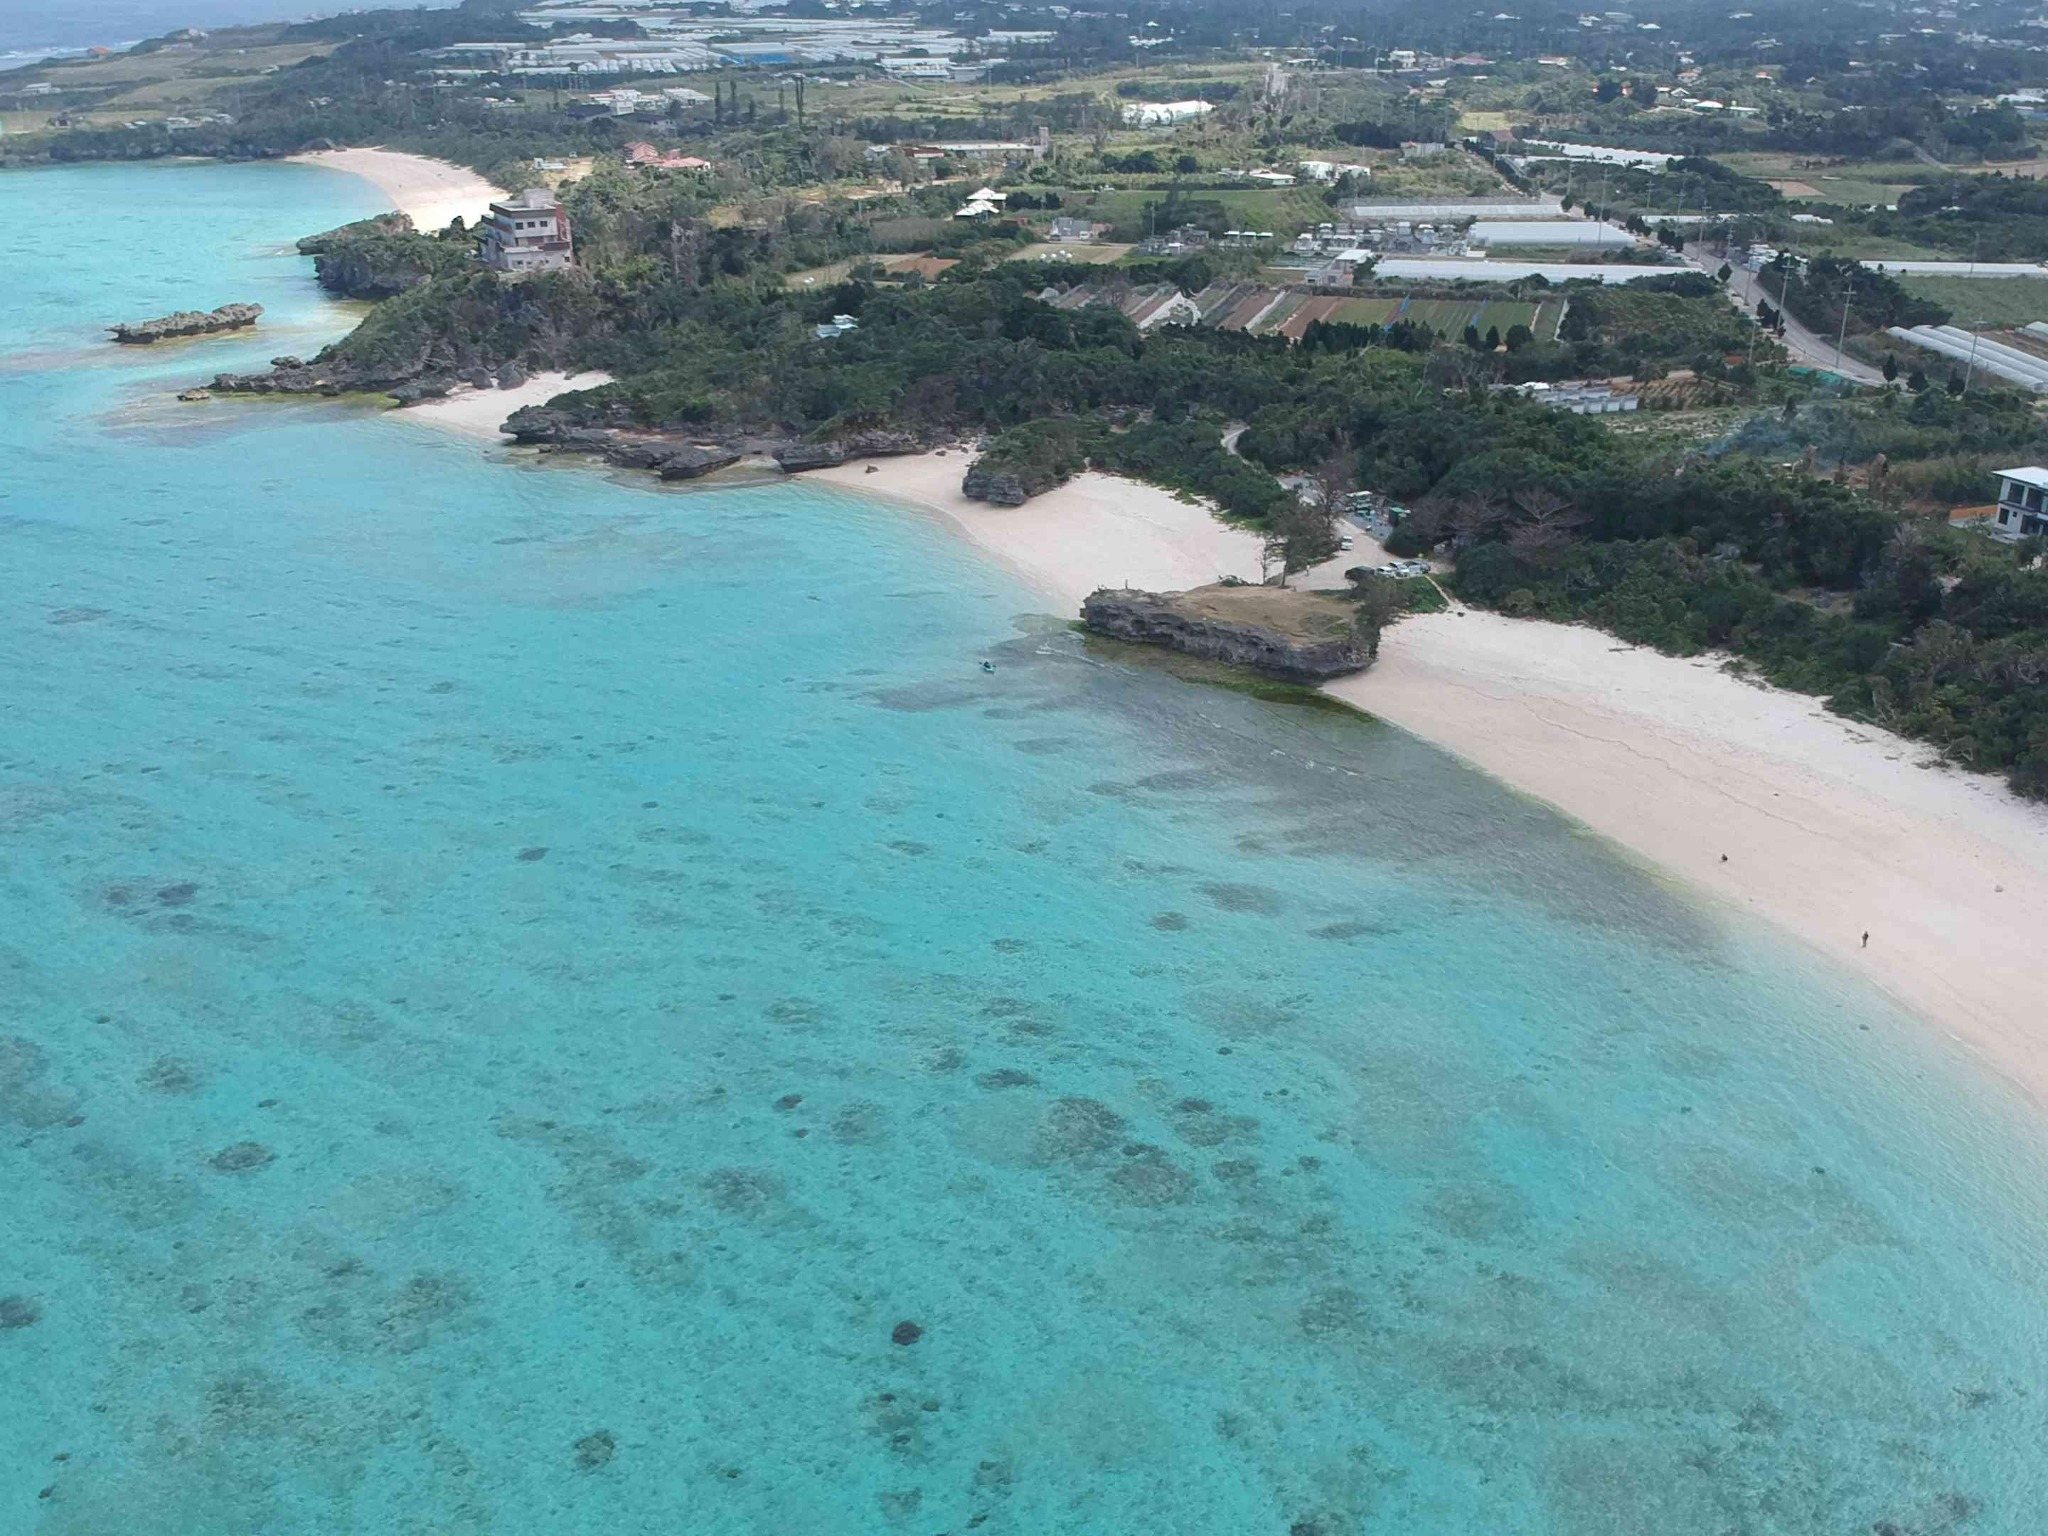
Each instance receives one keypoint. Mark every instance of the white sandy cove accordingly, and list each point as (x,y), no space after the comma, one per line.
(432,192)
(480,412)
(1831,829)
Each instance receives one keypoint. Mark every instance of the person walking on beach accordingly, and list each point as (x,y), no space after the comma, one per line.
(1866,938)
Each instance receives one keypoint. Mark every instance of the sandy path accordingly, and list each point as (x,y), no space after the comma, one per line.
(1830,829)
(431,191)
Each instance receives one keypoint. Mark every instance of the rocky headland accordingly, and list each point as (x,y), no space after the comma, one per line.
(1299,636)
(187,322)
(380,258)
(554,429)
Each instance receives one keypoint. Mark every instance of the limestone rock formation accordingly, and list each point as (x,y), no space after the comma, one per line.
(797,457)
(688,462)
(1301,636)
(187,322)
(996,486)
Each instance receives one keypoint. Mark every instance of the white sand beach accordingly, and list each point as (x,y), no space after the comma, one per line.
(432,192)
(479,412)
(1830,829)
(1094,531)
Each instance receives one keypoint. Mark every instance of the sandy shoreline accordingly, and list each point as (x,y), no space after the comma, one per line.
(1831,829)
(479,412)
(432,192)
(1094,531)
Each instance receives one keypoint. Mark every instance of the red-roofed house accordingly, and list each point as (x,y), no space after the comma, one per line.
(641,153)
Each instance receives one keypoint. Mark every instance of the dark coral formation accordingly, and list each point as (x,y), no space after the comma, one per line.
(242,1157)
(595,1450)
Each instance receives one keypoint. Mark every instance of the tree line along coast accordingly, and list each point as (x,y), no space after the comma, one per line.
(1223,302)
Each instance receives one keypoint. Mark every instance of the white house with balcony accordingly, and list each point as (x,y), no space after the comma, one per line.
(2021,510)
(527,233)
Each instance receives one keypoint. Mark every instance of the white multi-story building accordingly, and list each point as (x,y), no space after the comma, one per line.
(2022,503)
(527,233)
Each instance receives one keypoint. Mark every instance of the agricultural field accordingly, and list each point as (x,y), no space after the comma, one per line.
(1474,120)
(1286,211)
(1979,301)
(898,267)
(1449,317)
(1852,184)
(1072,253)
(1862,245)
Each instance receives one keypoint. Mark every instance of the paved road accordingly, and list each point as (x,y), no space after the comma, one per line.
(1805,347)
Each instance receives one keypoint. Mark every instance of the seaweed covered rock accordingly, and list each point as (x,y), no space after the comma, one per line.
(1301,636)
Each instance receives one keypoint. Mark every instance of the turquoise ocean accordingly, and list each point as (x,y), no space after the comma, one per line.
(535,1002)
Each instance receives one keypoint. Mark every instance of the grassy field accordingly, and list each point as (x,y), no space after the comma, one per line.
(1286,211)
(2005,301)
(1849,191)
(1820,240)
(929,267)
(1449,317)
(968,103)
(1072,253)
(174,80)
(1855,184)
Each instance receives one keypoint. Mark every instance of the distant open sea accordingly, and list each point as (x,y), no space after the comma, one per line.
(536,1002)
(32,30)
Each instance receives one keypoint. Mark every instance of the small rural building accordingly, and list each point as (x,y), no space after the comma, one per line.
(2021,510)
(527,233)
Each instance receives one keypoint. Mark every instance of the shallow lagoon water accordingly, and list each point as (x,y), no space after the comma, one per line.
(519,983)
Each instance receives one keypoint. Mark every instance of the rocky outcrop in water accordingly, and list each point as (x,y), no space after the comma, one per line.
(1301,636)
(690,461)
(187,322)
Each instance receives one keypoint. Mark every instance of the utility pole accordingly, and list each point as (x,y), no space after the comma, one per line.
(1970,369)
(1842,336)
